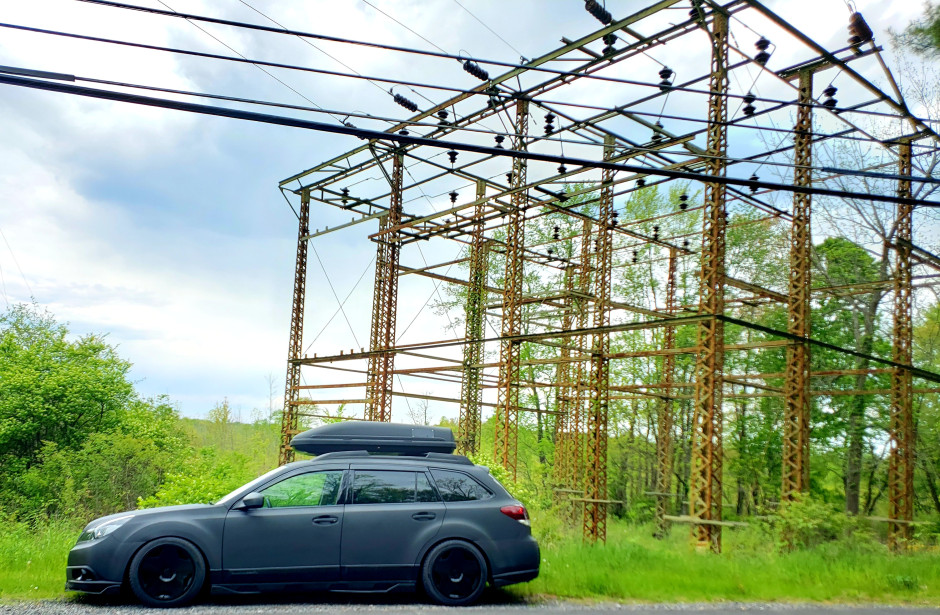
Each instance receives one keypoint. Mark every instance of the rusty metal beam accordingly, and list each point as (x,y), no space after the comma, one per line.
(664,422)
(295,344)
(796,399)
(595,476)
(565,393)
(385,305)
(468,426)
(507,416)
(706,463)
(901,434)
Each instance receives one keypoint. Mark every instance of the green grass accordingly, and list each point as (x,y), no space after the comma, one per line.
(632,566)
(32,560)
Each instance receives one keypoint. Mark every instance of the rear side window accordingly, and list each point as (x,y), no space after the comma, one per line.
(459,487)
(390,487)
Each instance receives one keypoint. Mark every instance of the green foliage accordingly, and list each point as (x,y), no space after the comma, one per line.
(106,474)
(53,389)
(806,523)
(923,35)
(203,478)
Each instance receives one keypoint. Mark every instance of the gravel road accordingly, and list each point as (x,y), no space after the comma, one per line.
(494,604)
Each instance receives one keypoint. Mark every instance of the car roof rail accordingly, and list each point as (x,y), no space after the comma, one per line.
(442,457)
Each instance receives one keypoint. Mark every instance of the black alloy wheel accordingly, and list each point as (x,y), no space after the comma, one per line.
(454,573)
(167,572)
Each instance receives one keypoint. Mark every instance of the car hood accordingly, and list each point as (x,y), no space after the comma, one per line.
(146,512)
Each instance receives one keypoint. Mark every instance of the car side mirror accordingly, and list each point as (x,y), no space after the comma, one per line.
(252,500)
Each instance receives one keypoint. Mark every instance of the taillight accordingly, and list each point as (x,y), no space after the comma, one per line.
(516,512)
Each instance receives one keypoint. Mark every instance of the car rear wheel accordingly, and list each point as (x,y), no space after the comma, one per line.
(167,572)
(454,573)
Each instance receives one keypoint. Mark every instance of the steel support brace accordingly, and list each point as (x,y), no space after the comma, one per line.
(565,393)
(295,345)
(507,405)
(706,462)
(796,397)
(468,427)
(581,368)
(595,468)
(664,422)
(901,435)
(385,304)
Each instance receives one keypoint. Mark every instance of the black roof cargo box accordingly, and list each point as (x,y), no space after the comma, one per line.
(374,437)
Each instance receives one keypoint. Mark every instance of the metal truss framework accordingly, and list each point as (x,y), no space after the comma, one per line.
(289,418)
(555,229)
(901,445)
(796,400)
(664,422)
(471,394)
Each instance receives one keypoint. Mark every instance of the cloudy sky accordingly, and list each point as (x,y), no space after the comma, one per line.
(167,231)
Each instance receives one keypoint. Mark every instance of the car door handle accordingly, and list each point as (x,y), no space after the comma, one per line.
(423,516)
(325,520)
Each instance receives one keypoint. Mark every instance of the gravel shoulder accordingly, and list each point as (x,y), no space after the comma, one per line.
(497,603)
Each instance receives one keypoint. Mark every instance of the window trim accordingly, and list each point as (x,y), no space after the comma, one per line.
(486,489)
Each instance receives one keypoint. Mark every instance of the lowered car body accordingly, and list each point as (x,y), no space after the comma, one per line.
(344,521)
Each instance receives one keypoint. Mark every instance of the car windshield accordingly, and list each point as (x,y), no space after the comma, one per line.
(249,487)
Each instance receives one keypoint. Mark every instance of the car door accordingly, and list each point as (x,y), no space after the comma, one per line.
(390,516)
(294,538)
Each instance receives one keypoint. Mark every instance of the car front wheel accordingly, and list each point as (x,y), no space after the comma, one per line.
(167,572)
(454,573)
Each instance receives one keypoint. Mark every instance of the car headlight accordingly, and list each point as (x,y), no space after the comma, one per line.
(100,531)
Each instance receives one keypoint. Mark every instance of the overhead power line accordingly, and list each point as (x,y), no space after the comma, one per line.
(363,133)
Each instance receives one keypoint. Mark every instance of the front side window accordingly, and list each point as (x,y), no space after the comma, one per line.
(391,487)
(459,487)
(310,489)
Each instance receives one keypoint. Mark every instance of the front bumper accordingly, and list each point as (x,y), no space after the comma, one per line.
(84,579)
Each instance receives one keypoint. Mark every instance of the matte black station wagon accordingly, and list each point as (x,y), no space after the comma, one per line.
(382,508)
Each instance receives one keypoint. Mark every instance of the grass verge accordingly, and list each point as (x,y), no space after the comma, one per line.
(32,560)
(631,567)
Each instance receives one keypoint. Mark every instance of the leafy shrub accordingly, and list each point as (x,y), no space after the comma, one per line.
(206,476)
(806,523)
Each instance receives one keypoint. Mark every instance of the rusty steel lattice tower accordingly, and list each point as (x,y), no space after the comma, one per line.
(545,252)
(507,407)
(901,445)
(664,422)
(468,426)
(385,303)
(595,476)
(796,399)
(705,478)
(295,346)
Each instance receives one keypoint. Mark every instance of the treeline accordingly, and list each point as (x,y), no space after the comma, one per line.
(77,442)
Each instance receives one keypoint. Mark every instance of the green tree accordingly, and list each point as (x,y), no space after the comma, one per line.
(923,35)
(53,388)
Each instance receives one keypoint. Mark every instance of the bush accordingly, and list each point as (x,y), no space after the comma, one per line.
(205,477)
(806,523)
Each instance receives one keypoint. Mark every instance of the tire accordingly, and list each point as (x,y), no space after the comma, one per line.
(167,572)
(454,573)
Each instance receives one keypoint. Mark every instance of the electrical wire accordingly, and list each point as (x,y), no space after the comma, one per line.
(492,31)
(255,64)
(342,305)
(335,296)
(16,262)
(435,143)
